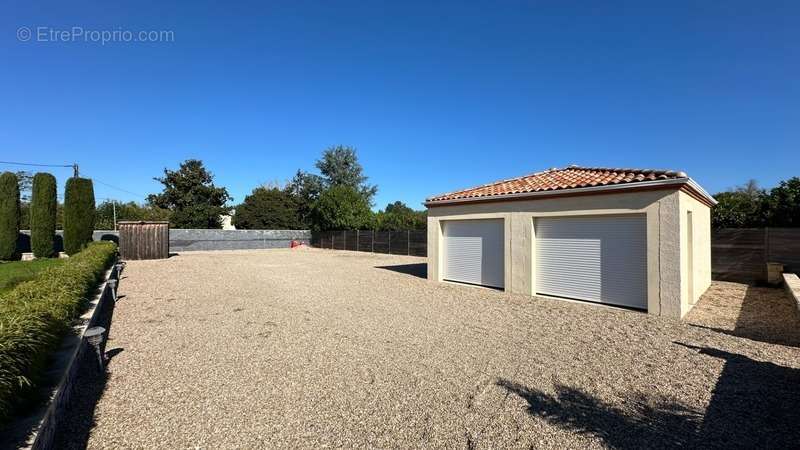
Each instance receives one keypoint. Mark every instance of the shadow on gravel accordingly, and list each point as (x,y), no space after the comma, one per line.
(766,314)
(647,423)
(754,405)
(418,270)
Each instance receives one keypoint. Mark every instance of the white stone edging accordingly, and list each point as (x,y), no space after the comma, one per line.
(792,284)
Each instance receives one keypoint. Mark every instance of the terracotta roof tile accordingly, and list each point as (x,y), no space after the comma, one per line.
(571,177)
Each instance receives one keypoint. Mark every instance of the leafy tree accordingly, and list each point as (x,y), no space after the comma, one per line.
(268,209)
(341,208)
(79,212)
(9,216)
(25,181)
(398,217)
(783,204)
(127,211)
(751,189)
(741,207)
(737,210)
(191,196)
(750,206)
(339,166)
(305,188)
(43,210)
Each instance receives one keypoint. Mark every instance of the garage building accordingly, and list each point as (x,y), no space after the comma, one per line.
(632,238)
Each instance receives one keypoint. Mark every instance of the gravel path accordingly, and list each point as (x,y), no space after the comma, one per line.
(311,348)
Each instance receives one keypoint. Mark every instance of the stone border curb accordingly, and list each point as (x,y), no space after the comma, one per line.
(44,435)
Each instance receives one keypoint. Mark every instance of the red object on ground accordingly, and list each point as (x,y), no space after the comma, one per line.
(294,244)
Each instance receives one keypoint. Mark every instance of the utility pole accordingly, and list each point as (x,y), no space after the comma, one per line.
(75,169)
(114,208)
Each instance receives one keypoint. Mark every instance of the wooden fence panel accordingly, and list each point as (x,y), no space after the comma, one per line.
(742,254)
(143,240)
(784,247)
(738,255)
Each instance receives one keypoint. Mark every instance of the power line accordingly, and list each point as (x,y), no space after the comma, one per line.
(14,163)
(117,188)
(36,165)
(75,167)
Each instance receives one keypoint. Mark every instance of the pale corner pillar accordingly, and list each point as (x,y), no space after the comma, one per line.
(669,256)
(695,274)
(653,219)
(521,241)
(434,249)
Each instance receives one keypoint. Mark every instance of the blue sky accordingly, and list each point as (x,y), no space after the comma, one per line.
(434,96)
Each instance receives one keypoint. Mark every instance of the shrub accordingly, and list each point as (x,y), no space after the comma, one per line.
(341,208)
(37,314)
(43,215)
(9,215)
(399,217)
(78,214)
(268,209)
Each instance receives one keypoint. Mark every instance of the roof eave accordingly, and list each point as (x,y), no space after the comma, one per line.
(577,191)
(699,189)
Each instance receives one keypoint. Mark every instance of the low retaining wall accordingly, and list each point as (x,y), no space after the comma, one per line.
(82,358)
(188,240)
(182,240)
(792,284)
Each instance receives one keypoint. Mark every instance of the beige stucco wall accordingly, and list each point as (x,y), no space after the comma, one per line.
(662,210)
(692,287)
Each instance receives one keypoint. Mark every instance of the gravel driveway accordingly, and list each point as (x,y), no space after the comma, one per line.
(311,348)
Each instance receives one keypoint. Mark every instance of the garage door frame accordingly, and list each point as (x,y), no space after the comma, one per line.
(642,245)
(504,249)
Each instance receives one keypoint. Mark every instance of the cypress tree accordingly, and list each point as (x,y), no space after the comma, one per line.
(79,211)
(43,215)
(9,215)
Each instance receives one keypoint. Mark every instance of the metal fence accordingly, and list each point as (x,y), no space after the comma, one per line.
(408,242)
(742,254)
(737,254)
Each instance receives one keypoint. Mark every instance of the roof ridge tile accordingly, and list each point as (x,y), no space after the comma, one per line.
(570,177)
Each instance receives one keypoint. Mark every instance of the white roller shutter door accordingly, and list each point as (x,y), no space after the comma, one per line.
(473,252)
(599,258)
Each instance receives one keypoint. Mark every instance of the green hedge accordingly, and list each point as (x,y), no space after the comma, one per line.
(79,213)
(43,215)
(9,216)
(37,314)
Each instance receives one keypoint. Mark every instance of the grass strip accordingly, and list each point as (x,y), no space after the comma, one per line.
(36,315)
